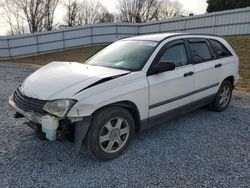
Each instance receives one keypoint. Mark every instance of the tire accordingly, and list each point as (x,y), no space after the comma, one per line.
(111,131)
(223,97)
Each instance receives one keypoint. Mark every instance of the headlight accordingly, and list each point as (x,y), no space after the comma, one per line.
(59,108)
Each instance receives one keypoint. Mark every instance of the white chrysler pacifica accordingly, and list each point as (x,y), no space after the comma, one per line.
(129,86)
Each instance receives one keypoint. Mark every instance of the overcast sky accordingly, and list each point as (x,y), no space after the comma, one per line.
(194,6)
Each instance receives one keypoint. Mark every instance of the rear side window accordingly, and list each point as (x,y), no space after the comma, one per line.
(200,51)
(220,50)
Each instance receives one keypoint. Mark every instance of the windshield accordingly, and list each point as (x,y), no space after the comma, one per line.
(126,55)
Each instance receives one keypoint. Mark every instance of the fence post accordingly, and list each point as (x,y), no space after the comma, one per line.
(116,32)
(91,34)
(185,25)
(63,38)
(214,22)
(37,43)
(8,46)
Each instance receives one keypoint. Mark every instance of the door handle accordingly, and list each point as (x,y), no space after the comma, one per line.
(218,65)
(188,74)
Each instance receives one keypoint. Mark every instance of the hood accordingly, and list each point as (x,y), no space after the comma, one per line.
(64,79)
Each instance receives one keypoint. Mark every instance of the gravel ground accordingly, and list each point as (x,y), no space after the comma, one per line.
(200,149)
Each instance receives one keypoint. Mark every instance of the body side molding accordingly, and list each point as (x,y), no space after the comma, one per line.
(161,118)
(182,96)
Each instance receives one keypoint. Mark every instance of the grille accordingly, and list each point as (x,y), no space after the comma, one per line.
(27,103)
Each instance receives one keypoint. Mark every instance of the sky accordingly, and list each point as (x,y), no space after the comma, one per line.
(194,6)
(189,6)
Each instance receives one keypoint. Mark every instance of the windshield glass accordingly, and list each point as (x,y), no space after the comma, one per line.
(126,55)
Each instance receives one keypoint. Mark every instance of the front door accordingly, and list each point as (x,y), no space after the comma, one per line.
(172,89)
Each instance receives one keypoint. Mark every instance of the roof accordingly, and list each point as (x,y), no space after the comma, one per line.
(161,36)
(153,37)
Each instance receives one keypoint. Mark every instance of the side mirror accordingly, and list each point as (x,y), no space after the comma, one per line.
(162,67)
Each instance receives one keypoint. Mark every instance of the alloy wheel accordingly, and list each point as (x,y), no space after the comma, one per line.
(114,135)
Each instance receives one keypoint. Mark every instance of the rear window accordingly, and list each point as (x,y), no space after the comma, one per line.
(220,50)
(201,52)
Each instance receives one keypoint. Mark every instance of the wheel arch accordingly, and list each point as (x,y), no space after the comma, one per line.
(231,79)
(128,105)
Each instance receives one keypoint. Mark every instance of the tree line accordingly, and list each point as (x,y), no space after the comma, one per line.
(30,16)
(219,5)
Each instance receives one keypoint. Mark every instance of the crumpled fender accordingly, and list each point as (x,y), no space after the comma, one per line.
(80,132)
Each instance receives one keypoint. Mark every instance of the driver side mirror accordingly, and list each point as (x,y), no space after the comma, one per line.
(162,67)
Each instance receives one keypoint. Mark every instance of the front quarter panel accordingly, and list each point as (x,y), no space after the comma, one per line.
(133,88)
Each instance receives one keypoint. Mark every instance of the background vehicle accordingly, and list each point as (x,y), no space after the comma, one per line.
(129,86)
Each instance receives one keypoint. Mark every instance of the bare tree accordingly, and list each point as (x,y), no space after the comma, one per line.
(12,14)
(34,11)
(169,9)
(138,10)
(90,11)
(50,7)
(72,15)
(39,14)
(105,16)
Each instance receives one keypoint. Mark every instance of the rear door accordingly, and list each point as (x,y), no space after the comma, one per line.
(207,68)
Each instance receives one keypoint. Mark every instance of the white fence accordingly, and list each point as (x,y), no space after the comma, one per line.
(234,22)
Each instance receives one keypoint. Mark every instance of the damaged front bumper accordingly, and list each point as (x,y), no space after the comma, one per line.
(54,127)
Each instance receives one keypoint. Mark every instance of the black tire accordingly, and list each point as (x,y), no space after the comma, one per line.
(100,121)
(216,104)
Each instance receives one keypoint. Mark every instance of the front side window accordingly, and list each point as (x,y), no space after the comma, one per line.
(200,51)
(126,55)
(220,50)
(175,54)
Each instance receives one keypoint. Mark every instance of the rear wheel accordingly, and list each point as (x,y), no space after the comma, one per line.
(110,133)
(223,97)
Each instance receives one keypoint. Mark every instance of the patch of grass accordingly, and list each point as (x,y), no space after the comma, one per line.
(72,55)
(241,45)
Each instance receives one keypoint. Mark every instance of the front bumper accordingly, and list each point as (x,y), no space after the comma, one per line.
(30,116)
(49,123)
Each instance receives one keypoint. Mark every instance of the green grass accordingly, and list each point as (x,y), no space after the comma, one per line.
(241,44)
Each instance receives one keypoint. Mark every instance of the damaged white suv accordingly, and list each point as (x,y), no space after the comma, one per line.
(130,85)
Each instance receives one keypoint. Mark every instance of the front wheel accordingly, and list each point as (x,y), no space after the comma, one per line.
(223,97)
(110,133)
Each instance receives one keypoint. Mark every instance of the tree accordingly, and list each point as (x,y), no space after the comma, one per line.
(50,7)
(169,9)
(72,15)
(219,5)
(34,11)
(39,14)
(90,11)
(12,14)
(138,10)
(81,12)
(105,16)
